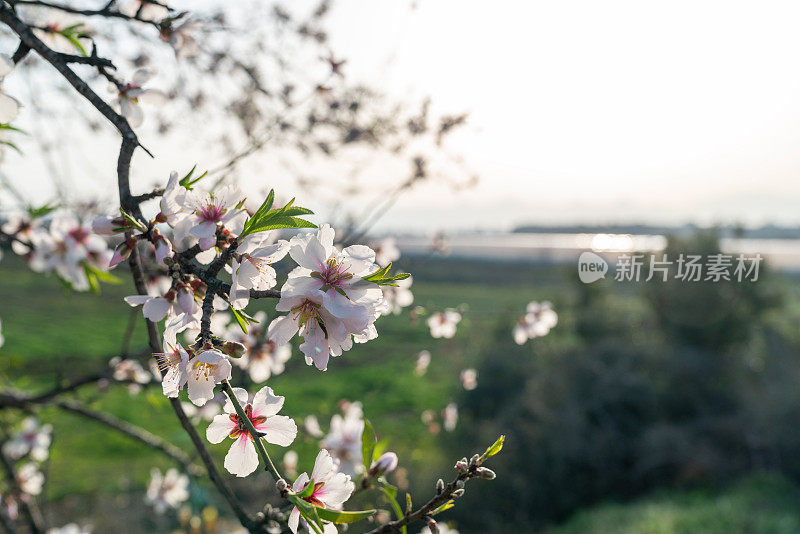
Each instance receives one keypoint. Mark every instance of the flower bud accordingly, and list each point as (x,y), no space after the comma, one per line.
(485,472)
(385,464)
(432,525)
(461,465)
(460,483)
(439,486)
(122,251)
(233,349)
(475,460)
(106,225)
(458,493)
(281,485)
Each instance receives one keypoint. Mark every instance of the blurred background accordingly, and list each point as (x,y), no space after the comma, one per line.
(494,143)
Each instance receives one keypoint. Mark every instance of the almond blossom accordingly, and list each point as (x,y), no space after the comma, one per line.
(262,357)
(206,412)
(9,106)
(537,322)
(179,306)
(133,93)
(387,252)
(32,439)
(182,38)
(206,370)
(205,212)
(443,324)
(344,439)
(450,417)
(173,364)
(70,528)
(144,9)
(423,361)
(242,457)
(331,489)
(167,491)
(130,371)
(469,379)
(311,425)
(29,479)
(21,225)
(171,202)
(251,267)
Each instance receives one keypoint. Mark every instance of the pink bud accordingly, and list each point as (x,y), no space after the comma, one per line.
(105,224)
(122,251)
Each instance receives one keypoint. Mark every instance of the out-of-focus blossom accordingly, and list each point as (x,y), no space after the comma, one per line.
(469,379)
(71,528)
(311,425)
(450,417)
(386,252)
(130,371)
(331,489)
(133,93)
(343,440)
(395,298)
(183,38)
(537,322)
(242,458)
(143,9)
(167,491)
(423,361)
(262,358)
(9,106)
(290,463)
(206,412)
(29,479)
(32,438)
(441,528)
(443,324)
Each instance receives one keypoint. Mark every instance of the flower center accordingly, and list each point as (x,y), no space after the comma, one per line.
(212,213)
(79,234)
(167,361)
(334,274)
(205,371)
(313,499)
(241,428)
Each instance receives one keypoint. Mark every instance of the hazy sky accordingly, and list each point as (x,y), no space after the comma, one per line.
(593,111)
(658,111)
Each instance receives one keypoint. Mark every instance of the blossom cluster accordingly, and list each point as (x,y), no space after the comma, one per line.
(537,322)
(27,447)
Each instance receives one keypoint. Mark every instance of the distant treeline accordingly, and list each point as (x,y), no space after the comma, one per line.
(686,230)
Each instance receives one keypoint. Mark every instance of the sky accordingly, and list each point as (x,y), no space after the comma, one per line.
(589,112)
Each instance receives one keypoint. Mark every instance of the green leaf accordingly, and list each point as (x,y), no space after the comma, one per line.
(496,447)
(187,181)
(308,512)
(383,278)
(368,441)
(340,517)
(94,284)
(240,320)
(42,210)
(265,218)
(446,506)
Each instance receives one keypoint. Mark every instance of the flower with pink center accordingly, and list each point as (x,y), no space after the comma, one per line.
(33,439)
(242,458)
(133,93)
(207,211)
(324,335)
(337,274)
(331,489)
(443,324)
(251,267)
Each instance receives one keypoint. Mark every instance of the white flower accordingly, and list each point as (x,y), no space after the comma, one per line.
(9,106)
(179,306)
(32,438)
(251,267)
(52,26)
(443,324)
(311,425)
(262,358)
(182,38)
(395,298)
(206,370)
(130,371)
(323,334)
(171,203)
(469,379)
(450,416)
(167,491)
(131,94)
(71,528)
(423,361)
(386,252)
(30,479)
(322,267)
(21,225)
(173,364)
(537,322)
(206,211)
(331,489)
(143,10)
(344,439)
(242,458)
